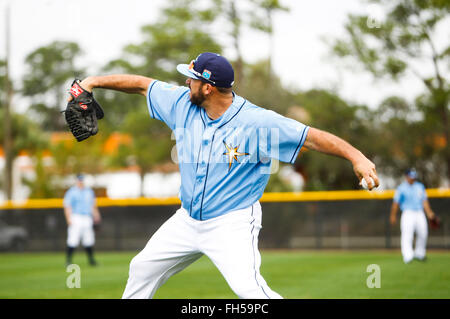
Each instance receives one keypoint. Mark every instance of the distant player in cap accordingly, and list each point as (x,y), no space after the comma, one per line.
(81,214)
(225,146)
(412,199)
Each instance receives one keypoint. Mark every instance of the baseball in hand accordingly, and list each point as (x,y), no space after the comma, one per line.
(364,183)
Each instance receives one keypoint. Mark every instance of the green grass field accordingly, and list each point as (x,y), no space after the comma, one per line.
(293,274)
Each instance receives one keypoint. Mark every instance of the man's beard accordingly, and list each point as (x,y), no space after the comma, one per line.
(197,98)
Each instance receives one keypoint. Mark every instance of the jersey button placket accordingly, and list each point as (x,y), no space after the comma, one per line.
(201,169)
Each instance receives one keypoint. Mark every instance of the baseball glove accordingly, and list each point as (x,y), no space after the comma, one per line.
(97,226)
(82,112)
(435,223)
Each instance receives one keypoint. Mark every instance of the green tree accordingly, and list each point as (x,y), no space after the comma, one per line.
(6,93)
(255,89)
(404,137)
(2,101)
(26,135)
(234,16)
(262,20)
(2,82)
(255,14)
(327,111)
(178,37)
(151,144)
(49,68)
(72,157)
(42,185)
(396,45)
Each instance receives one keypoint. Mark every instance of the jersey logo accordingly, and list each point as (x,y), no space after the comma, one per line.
(232,153)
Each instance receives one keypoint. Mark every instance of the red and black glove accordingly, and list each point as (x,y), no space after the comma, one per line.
(435,222)
(82,112)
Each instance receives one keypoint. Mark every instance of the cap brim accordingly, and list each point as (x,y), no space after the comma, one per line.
(184,69)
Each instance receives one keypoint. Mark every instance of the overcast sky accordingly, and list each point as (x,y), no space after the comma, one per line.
(103,27)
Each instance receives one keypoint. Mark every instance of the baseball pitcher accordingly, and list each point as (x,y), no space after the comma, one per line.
(225,147)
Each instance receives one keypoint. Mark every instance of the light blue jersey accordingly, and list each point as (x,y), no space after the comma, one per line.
(224,163)
(410,196)
(80,200)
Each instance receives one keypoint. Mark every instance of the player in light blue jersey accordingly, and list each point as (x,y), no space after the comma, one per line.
(81,213)
(225,147)
(412,200)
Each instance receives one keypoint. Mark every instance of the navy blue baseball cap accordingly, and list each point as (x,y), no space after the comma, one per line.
(411,173)
(210,68)
(80,177)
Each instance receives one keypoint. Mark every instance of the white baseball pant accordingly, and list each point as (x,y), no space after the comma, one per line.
(230,241)
(80,229)
(413,222)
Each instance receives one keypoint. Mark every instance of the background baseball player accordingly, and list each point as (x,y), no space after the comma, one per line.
(81,214)
(412,199)
(225,145)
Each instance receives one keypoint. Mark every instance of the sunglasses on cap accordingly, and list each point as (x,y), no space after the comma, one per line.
(206,75)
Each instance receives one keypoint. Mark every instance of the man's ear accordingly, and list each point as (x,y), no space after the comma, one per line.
(208,89)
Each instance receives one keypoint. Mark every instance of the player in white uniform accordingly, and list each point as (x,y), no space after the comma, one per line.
(225,145)
(81,214)
(412,199)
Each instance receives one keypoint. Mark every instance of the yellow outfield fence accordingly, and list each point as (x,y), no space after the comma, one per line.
(266,198)
(313,220)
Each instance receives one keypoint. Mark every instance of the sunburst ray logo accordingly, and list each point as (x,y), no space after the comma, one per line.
(232,153)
